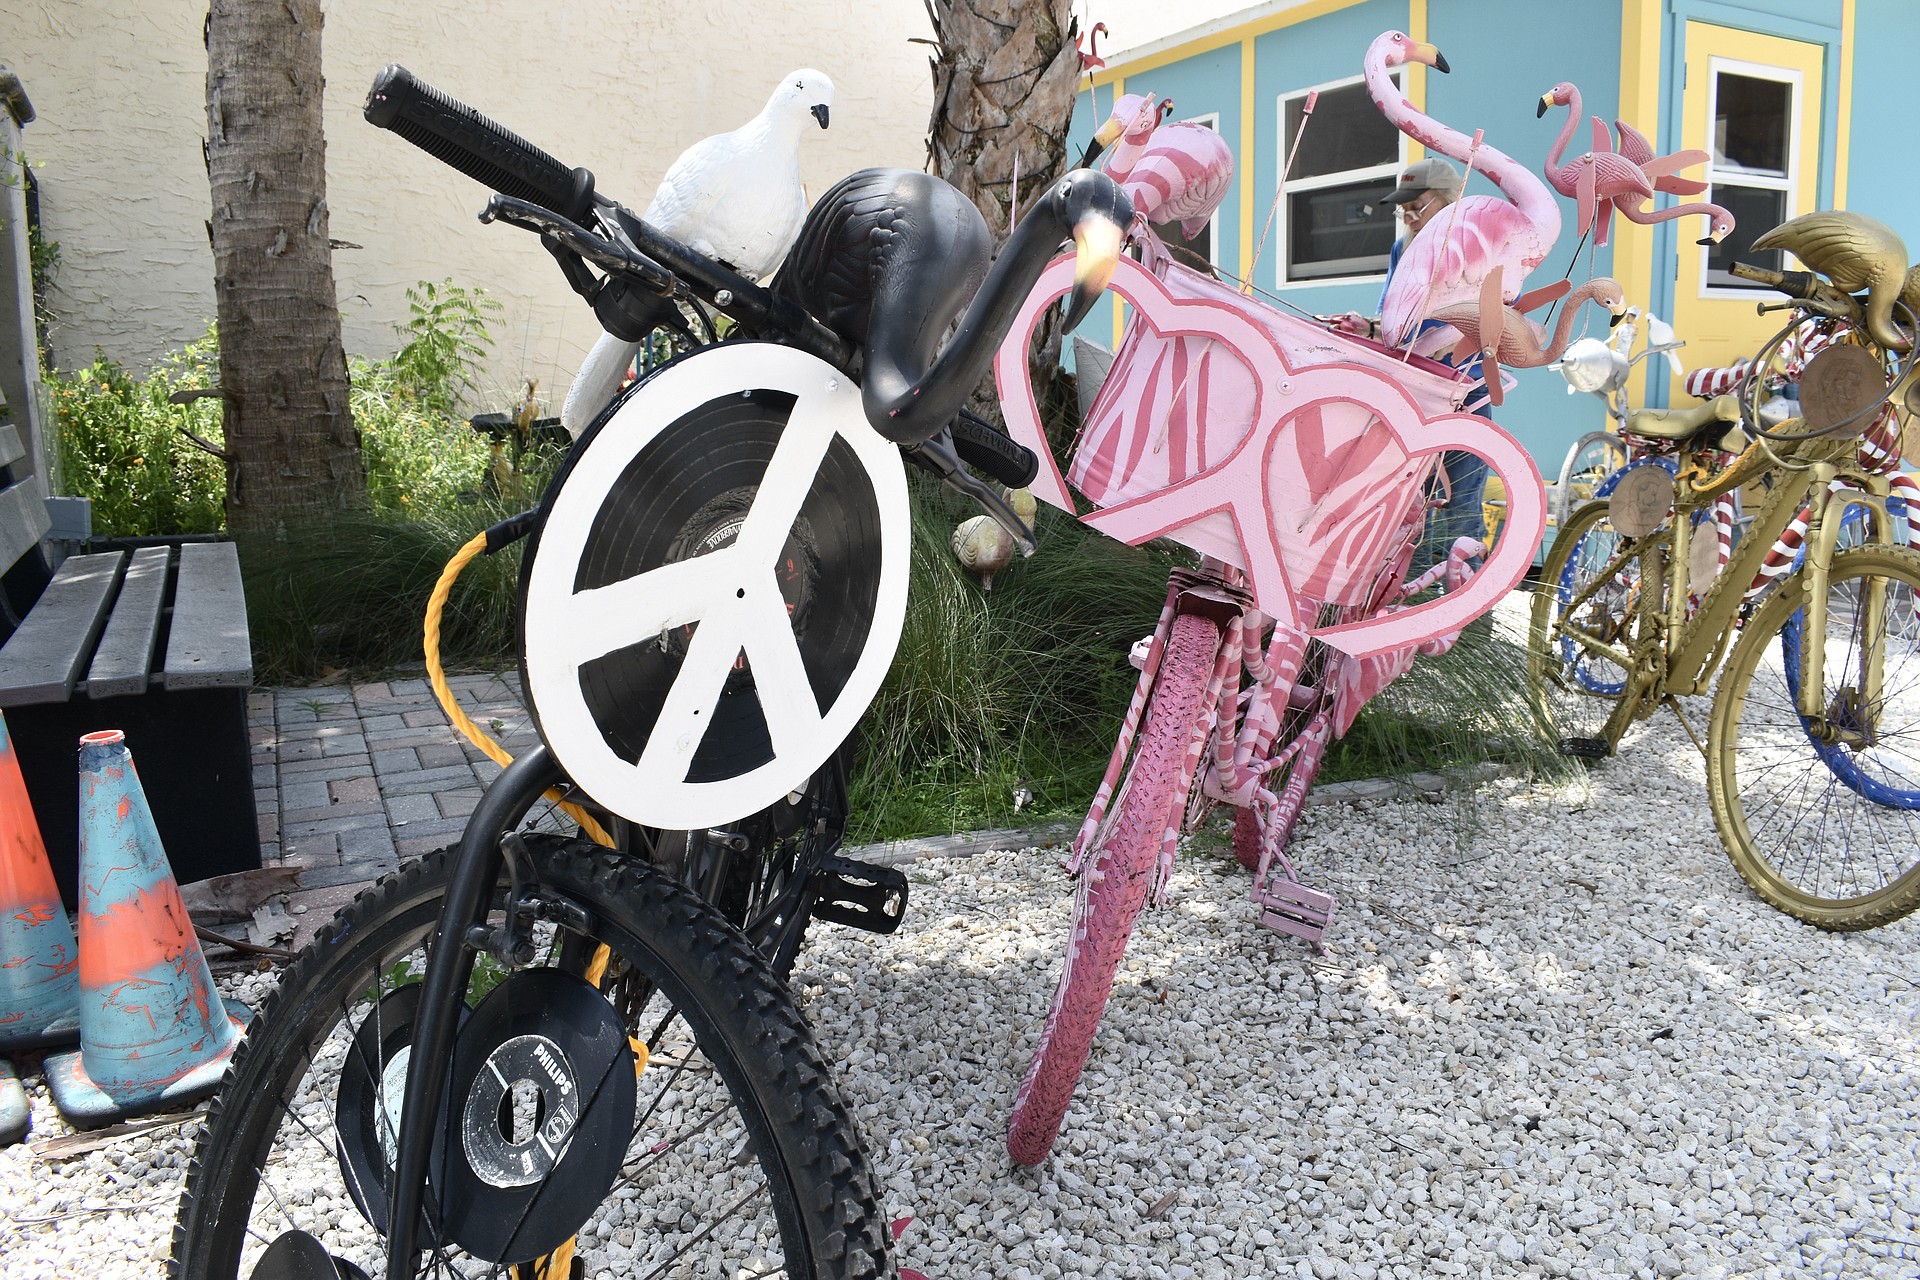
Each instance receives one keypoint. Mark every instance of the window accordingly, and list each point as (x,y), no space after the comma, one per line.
(1332,225)
(1751,170)
(1199,251)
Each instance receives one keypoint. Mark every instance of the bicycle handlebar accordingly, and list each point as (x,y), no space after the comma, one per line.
(985,447)
(455,134)
(1795,284)
(539,193)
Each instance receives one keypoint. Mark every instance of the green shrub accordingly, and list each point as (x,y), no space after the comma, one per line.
(419,459)
(422,457)
(123,445)
(447,339)
(995,692)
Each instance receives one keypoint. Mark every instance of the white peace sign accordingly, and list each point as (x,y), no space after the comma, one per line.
(733,593)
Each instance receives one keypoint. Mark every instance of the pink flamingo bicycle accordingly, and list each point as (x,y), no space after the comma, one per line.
(1296,461)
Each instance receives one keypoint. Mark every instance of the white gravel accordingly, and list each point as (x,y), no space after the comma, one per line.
(1570,1043)
(1567,1042)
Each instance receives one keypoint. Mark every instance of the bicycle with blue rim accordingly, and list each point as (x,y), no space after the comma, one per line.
(1813,740)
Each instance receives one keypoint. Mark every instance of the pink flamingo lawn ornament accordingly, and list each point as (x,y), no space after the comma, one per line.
(1090,59)
(1446,262)
(1599,180)
(1176,172)
(1501,335)
(1604,180)
(1661,169)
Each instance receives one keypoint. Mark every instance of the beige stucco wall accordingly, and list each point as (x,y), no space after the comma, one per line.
(620,86)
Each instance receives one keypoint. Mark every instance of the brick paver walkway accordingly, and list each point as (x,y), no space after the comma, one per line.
(350,779)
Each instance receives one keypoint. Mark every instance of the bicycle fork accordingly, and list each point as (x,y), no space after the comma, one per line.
(1850,719)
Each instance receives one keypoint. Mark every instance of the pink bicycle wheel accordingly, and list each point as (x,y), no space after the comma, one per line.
(1246,837)
(1114,885)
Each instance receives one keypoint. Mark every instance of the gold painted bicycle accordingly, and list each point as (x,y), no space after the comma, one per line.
(1813,740)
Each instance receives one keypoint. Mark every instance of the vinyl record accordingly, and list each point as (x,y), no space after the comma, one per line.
(716,588)
(540,1112)
(367,1107)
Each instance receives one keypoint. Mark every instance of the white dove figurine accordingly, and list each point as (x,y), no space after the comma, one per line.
(734,197)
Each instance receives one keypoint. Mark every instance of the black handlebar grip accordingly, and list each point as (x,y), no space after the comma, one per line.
(454,133)
(984,447)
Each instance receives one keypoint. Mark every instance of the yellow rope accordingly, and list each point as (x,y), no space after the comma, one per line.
(558,1264)
(461,720)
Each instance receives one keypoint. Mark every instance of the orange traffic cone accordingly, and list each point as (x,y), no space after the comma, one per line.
(153,1032)
(39,988)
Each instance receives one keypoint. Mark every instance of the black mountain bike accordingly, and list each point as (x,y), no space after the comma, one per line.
(538,1055)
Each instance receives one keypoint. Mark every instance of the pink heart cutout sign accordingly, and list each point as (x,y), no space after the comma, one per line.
(1270,442)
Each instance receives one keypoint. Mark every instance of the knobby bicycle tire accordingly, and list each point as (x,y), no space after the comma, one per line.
(1831,841)
(1113,887)
(742,1044)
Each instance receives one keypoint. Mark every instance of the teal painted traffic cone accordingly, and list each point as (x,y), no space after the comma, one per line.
(154,1034)
(14,1115)
(39,979)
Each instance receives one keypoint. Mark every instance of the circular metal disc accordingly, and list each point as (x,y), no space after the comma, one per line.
(1840,382)
(716,588)
(1641,500)
(541,1099)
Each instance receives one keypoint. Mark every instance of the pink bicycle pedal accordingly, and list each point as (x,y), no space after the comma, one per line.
(1289,907)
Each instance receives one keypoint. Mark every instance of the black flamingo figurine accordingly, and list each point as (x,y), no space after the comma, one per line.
(888,256)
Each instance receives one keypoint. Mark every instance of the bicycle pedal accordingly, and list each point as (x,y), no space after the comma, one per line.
(859,894)
(1585,748)
(1289,907)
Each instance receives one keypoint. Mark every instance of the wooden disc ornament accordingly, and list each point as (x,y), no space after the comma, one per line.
(1843,382)
(1640,502)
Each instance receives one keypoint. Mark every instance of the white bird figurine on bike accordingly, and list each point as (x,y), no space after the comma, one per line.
(734,197)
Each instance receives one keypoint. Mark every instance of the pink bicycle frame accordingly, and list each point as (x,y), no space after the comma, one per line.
(1296,460)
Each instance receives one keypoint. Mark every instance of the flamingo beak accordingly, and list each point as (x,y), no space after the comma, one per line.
(1715,236)
(1546,103)
(1618,316)
(820,113)
(1421,51)
(1101,141)
(1096,239)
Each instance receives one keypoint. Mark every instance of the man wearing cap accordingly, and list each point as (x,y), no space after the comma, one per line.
(1425,188)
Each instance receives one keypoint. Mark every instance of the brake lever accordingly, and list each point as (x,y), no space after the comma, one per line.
(936,456)
(610,257)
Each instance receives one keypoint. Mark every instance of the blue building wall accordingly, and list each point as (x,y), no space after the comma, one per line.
(1504,55)
(1285,61)
(1496,85)
(1882,178)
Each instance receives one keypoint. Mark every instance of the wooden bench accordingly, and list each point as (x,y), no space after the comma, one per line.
(152,642)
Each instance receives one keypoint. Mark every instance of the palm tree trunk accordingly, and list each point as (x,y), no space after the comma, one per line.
(1004,77)
(293,453)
